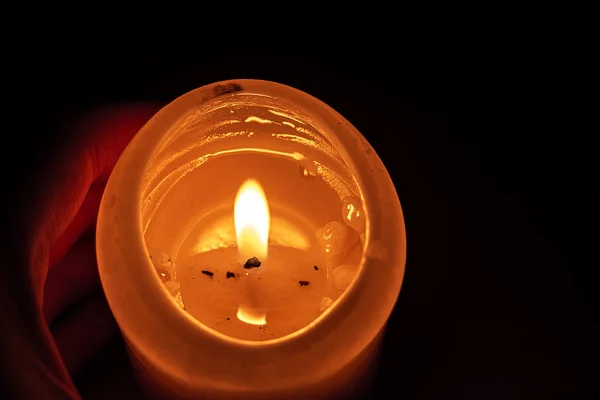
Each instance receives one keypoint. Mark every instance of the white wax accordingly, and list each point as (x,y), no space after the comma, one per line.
(273,289)
(286,288)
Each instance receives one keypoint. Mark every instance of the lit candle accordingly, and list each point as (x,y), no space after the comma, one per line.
(250,244)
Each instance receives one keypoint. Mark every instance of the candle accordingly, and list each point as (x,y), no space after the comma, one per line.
(251,245)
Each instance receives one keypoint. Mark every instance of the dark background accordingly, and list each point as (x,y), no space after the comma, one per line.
(493,173)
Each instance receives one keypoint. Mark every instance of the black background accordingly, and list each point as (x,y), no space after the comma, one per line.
(493,174)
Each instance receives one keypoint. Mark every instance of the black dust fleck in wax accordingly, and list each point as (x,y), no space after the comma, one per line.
(230,274)
(227,88)
(303,283)
(252,263)
(316,268)
(205,272)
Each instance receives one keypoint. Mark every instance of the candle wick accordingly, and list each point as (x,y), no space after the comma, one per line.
(252,290)
(252,262)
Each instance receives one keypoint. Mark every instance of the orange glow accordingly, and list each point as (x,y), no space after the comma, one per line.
(251,316)
(252,221)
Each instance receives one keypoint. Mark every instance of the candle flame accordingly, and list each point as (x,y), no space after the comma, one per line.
(252,219)
(251,316)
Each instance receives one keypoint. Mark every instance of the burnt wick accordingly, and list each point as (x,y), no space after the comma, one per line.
(252,263)
(304,283)
(230,274)
(316,268)
(205,272)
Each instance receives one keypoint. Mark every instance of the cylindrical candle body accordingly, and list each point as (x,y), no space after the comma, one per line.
(169,264)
